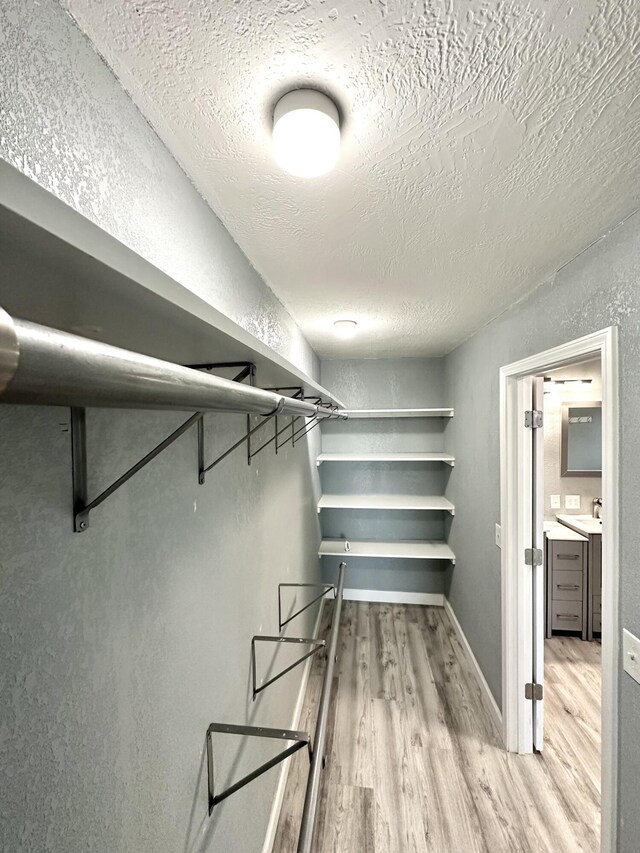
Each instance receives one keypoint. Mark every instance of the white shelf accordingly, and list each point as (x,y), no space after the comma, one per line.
(447,458)
(62,270)
(410,550)
(400,413)
(408,502)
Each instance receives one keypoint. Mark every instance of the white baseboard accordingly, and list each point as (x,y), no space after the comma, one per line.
(490,702)
(435,599)
(274,817)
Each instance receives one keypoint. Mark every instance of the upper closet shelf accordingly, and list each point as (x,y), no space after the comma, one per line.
(403,549)
(400,413)
(447,458)
(62,270)
(419,502)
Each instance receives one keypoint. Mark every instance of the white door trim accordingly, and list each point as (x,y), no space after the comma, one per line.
(516,643)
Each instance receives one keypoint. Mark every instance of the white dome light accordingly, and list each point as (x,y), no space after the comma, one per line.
(345,328)
(306,133)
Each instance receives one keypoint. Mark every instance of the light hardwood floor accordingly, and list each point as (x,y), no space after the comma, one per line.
(415,763)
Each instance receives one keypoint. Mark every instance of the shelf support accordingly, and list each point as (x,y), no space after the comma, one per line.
(278,432)
(248,371)
(300,740)
(317,645)
(81,508)
(326,587)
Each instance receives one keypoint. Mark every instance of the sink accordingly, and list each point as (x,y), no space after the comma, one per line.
(585,524)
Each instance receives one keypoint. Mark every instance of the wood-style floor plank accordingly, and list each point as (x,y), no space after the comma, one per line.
(416,762)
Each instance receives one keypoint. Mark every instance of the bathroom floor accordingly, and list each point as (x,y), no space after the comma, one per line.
(415,761)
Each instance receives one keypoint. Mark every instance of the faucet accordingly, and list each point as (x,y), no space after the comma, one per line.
(597,507)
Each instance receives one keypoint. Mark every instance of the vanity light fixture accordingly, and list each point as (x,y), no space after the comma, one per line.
(345,328)
(567,384)
(306,133)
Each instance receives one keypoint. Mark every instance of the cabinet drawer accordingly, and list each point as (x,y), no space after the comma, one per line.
(597,622)
(566,555)
(597,604)
(566,586)
(566,615)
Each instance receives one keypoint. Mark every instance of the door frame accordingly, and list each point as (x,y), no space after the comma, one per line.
(517,634)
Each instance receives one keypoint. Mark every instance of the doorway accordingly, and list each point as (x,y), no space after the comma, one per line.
(524,602)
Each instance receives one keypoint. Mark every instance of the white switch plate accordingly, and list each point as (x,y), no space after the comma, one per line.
(554,501)
(631,654)
(572,501)
(498,536)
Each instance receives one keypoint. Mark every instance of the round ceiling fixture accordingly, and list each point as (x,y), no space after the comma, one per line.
(306,133)
(345,328)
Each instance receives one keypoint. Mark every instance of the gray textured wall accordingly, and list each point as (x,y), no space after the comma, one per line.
(387,383)
(68,124)
(598,289)
(120,645)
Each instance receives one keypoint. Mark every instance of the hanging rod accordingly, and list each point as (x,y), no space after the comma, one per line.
(309,814)
(40,365)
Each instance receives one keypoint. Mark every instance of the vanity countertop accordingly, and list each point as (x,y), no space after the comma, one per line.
(562,533)
(584,524)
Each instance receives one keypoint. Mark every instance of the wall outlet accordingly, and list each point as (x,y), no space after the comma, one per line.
(631,654)
(498,536)
(554,501)
(572,501)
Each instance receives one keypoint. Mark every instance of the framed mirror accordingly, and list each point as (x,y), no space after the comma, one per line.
(581,451)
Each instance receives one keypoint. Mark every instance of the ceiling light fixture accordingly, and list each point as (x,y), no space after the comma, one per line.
(306,133)
(345,328)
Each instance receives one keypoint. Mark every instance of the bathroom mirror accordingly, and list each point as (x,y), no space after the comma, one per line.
(581,452)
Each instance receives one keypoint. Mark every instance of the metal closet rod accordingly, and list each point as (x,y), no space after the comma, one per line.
(312,796)
(40,365)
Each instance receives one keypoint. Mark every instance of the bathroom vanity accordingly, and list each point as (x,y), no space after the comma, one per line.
(574,575)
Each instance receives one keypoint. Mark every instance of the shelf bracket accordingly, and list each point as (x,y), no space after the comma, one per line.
(248,371)
(326,587)
(317,645)
(278,432)
(82,509)
(300,740)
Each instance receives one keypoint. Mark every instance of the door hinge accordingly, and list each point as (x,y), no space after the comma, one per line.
(533,419)
(533,691)
(533,556)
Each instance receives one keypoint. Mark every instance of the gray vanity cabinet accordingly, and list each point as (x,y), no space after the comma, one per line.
(567,583)
(573,582)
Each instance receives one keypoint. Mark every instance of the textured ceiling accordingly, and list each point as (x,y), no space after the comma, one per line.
(484,145)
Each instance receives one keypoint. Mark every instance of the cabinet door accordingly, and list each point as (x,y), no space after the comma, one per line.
(566,555)
(566,586)
(566,615)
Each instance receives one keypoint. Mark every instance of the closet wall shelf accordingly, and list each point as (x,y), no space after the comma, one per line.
(399,413)
(401,549)
(64,271)
(446,458)
(377,501)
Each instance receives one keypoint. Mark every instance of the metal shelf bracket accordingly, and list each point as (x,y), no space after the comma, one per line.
(81,508)
(326,587)
(317,645)
(248,371)
(300,740)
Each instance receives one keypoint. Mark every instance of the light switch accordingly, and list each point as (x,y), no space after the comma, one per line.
(498,536)
(631,654)
(572,501)
(554,501)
